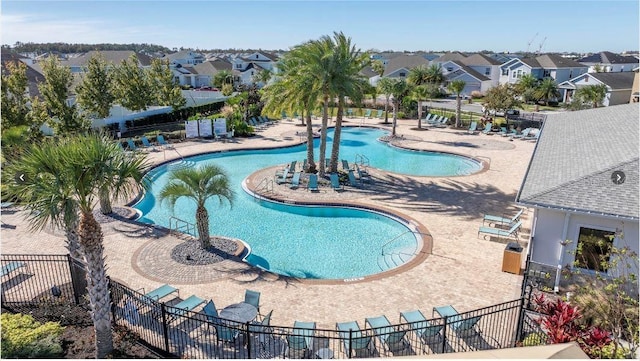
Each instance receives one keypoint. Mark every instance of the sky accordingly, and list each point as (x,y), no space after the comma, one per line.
(547,25)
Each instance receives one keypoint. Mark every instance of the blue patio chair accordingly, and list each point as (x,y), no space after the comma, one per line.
(367,114)
(300,341)
(466,328)
(188,304)
(487,129)
(295,180)
(11,267)
(511,232)
(350,112)
(524,133)
(472,128)
(427,118)
(503,131)
(312,185)
(345,165)
(502,220)
(353,340)
(281,178)
(392,339)
(252,298)
(363,175)
(429,335)
(284,115)
(131,145)
(442,123)
(335,182)
(162,292)
(435,119)
(163,142)
(352,179)
(379,114)
(147,144)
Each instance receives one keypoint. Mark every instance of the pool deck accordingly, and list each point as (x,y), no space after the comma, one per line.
(462,270)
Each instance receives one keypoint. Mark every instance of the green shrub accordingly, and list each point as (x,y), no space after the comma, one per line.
(400,115)
(608,350)
(534,339)
(24,337)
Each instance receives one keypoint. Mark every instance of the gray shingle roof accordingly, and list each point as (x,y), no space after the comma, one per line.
(607,57)
(450,56)
(576,153)
(621,80)
(467,70)
(553,61)
(404,61)
(479,59)
(110,56)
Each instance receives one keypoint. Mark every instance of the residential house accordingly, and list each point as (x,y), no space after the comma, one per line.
(582,184)
(34,77)
(484,65)
(185,58)
(371,75)
(606,61)
(246,66)
(544,66)
(474,81)
(399,66)
(78,64)
(618,85)
(453,56)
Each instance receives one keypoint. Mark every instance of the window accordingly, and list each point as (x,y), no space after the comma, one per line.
(487,71)
(547,73)
(594,246)
(402,74)
(505,71)
(518,74)
(449,68)
(238,66)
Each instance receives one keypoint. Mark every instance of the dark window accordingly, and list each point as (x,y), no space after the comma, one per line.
(403,74)
(505,71)
(594,247)
(487,71)
(449,68)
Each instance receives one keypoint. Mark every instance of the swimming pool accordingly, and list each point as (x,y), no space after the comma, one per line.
(302,241)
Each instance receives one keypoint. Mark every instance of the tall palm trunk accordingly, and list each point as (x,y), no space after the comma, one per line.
(386,112)
(73,244)
(335,148)
(323,135)
(202,223)
(419,114)
(91,237)
(311,165)
(105,201)
(396,104)
(458,106)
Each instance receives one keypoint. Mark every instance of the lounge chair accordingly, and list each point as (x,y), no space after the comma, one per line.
(429,335)
(163,142)
(284,115)
(335,182)
(427,118)
(353,339)
(503,131)
(367,114)
(533,135)
(487,128)
(466,329)
(189,304)
(509,133)
(392,339)
(442,123)
(162,292)
(352,179)
(473,127)
(252,298)
(502,220)
(524,133)
(363,175)
(131,145)
(434,119)
(11,267)
(281,178)
(379,114)
(300,342)
(312,185)
(147,144)
(511,232)
(295,180)
(345,165)
(350,112)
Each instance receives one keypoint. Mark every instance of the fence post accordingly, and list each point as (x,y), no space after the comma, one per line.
(164,327)
(520,321)
(350,341)
(248,340)
(444,333)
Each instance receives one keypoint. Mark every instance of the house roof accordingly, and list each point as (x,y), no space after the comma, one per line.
(532,62)
(184,54)
(110,56)
(34,76)
(468,70)
(368,72)
(450,56)
(554,61)
(572,164)
(212,67)
(404,61)
(607,57)
(616,81)
(479,59)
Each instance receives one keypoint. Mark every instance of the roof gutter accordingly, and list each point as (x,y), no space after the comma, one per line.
(576,211)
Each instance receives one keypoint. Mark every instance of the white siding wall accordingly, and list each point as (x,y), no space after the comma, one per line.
(548,235)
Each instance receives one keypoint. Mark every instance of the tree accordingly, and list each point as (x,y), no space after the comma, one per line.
(434,74)
(399,89)
(62,184)
(592,94)
(419,75)
(15,101)
(502,98)
(163,85)
(378,67)
(55,92)
(457,86)
(132,88)
(526,87)
(199,185)
(221,78)
(547,90)
(263,76)
(385,86)
(94,93)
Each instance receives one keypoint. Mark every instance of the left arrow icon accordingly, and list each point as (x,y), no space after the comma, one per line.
(21,178)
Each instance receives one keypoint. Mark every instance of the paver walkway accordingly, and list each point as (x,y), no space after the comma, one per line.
(464,270)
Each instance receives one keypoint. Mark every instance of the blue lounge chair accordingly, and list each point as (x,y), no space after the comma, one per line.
(162,292)
(300,342)
(252,298)
(379,114)
(442,123)
(487,129)
(131,145)
(11,267)
(350,112)
(363,175)
(391,338)
(533,135)
(345,165)
(509,133)
(335,182)
(281,178)
(189,304)
(429,335)
(352,179)
(465,328)
(473,127)
(312,185)
(354,341)
(163,142)
(503,131)
(367,114)
(524,133)
(295,180)
(502,220)
(284,115)
(511,232)
(434,119)
(147,144)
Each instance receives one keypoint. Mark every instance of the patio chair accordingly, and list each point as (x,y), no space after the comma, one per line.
(379,114)
(11,267)
(532,135)
(161,292)
(487,129)
(300,341)
(284,115)
(502,220)
(503,131)
(147,144)
(131,145)
(392,339)
(367,114)
(472,128)
(163,142)
(429,335)
(511,232)
(466,329)
(312,185)
(352,179)
(335,182)
(509,133)
(188,304)
(295,180)
(350,113)
(363,175)
(282,177)
(353,340)
(434,119)
(223,333)
(524,133)
(442,123)
(252,298)
(345,165)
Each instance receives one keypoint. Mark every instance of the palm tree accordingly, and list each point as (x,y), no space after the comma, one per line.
(592,94)
(62,183)
(399,89)
(126,176)
(419,93)
(198,184)
(457,86)
(526,87)
(547,90)
(434,74)
(378,67)
(419,75)
(385,86)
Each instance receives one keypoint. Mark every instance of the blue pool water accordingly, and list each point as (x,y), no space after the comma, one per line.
(300,241)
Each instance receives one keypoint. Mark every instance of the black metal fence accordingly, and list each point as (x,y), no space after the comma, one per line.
(188,334)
